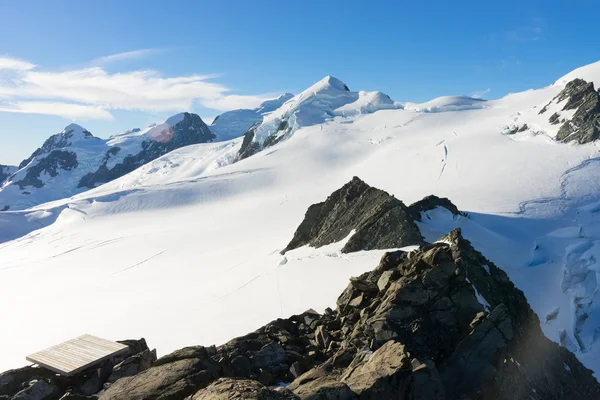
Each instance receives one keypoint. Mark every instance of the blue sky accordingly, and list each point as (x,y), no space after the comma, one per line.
(114,65)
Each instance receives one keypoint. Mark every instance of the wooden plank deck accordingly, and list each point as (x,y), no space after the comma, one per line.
(77,354)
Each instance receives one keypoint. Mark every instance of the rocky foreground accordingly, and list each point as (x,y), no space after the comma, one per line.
(441,322)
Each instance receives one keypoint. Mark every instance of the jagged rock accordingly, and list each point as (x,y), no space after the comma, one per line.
(426,381)
(249,146)
(584,127)
(132,365)
(242,389)
(51,164)
(429,203)
(379,220)
(38,390)
(382,373)
(173,380)
(271,354)
(320,383)
(322,337)
(15,380)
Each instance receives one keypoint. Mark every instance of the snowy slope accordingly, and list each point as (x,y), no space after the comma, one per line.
(447,103)
(184,250)
(74,160)
(233,124)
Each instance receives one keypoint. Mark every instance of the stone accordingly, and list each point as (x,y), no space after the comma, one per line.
(14,380)
(384,280)
(322,337)
(38,390)
(171,380)
(132,365)
(318,383)
(389,360)
(271,354)
(240,389)
(242,366)
(296,369)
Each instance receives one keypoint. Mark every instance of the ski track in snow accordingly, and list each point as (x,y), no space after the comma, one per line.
(140,263)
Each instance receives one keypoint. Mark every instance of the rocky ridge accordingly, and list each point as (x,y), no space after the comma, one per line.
(571,116)
(439,322)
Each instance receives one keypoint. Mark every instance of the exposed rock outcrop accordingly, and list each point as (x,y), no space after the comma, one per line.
(429,203)
(5,172)
(51,165)
(242,389)
(379,220)
(584,127)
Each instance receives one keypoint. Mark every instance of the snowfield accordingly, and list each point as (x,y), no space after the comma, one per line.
(185,250)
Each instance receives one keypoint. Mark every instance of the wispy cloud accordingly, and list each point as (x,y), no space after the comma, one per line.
(91,93)
(125,56)
(65,110)
(481,93)
(9,63)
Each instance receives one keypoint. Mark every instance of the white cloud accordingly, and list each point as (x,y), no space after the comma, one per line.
(15,64)
(125,56)
(91,93)
(481,93)
(66,110)
(234,101)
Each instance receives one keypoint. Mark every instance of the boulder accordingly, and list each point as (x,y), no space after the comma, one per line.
(242,389)
(169,380)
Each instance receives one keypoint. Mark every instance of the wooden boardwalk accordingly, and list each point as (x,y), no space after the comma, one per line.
(76,355)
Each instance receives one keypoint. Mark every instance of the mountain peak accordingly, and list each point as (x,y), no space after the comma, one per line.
(328,83)
(175,119)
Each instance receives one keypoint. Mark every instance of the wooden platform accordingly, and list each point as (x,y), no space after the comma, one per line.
(76,355)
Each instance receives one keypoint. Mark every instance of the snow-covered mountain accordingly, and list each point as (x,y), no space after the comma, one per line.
(74,160)
(233,124)
(186,249)
(321,102)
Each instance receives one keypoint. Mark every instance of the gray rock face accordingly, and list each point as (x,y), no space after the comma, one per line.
(242,389)
(5,172)
(429,203)
(380,221)
(52,164)
(584,127)
(190,130)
